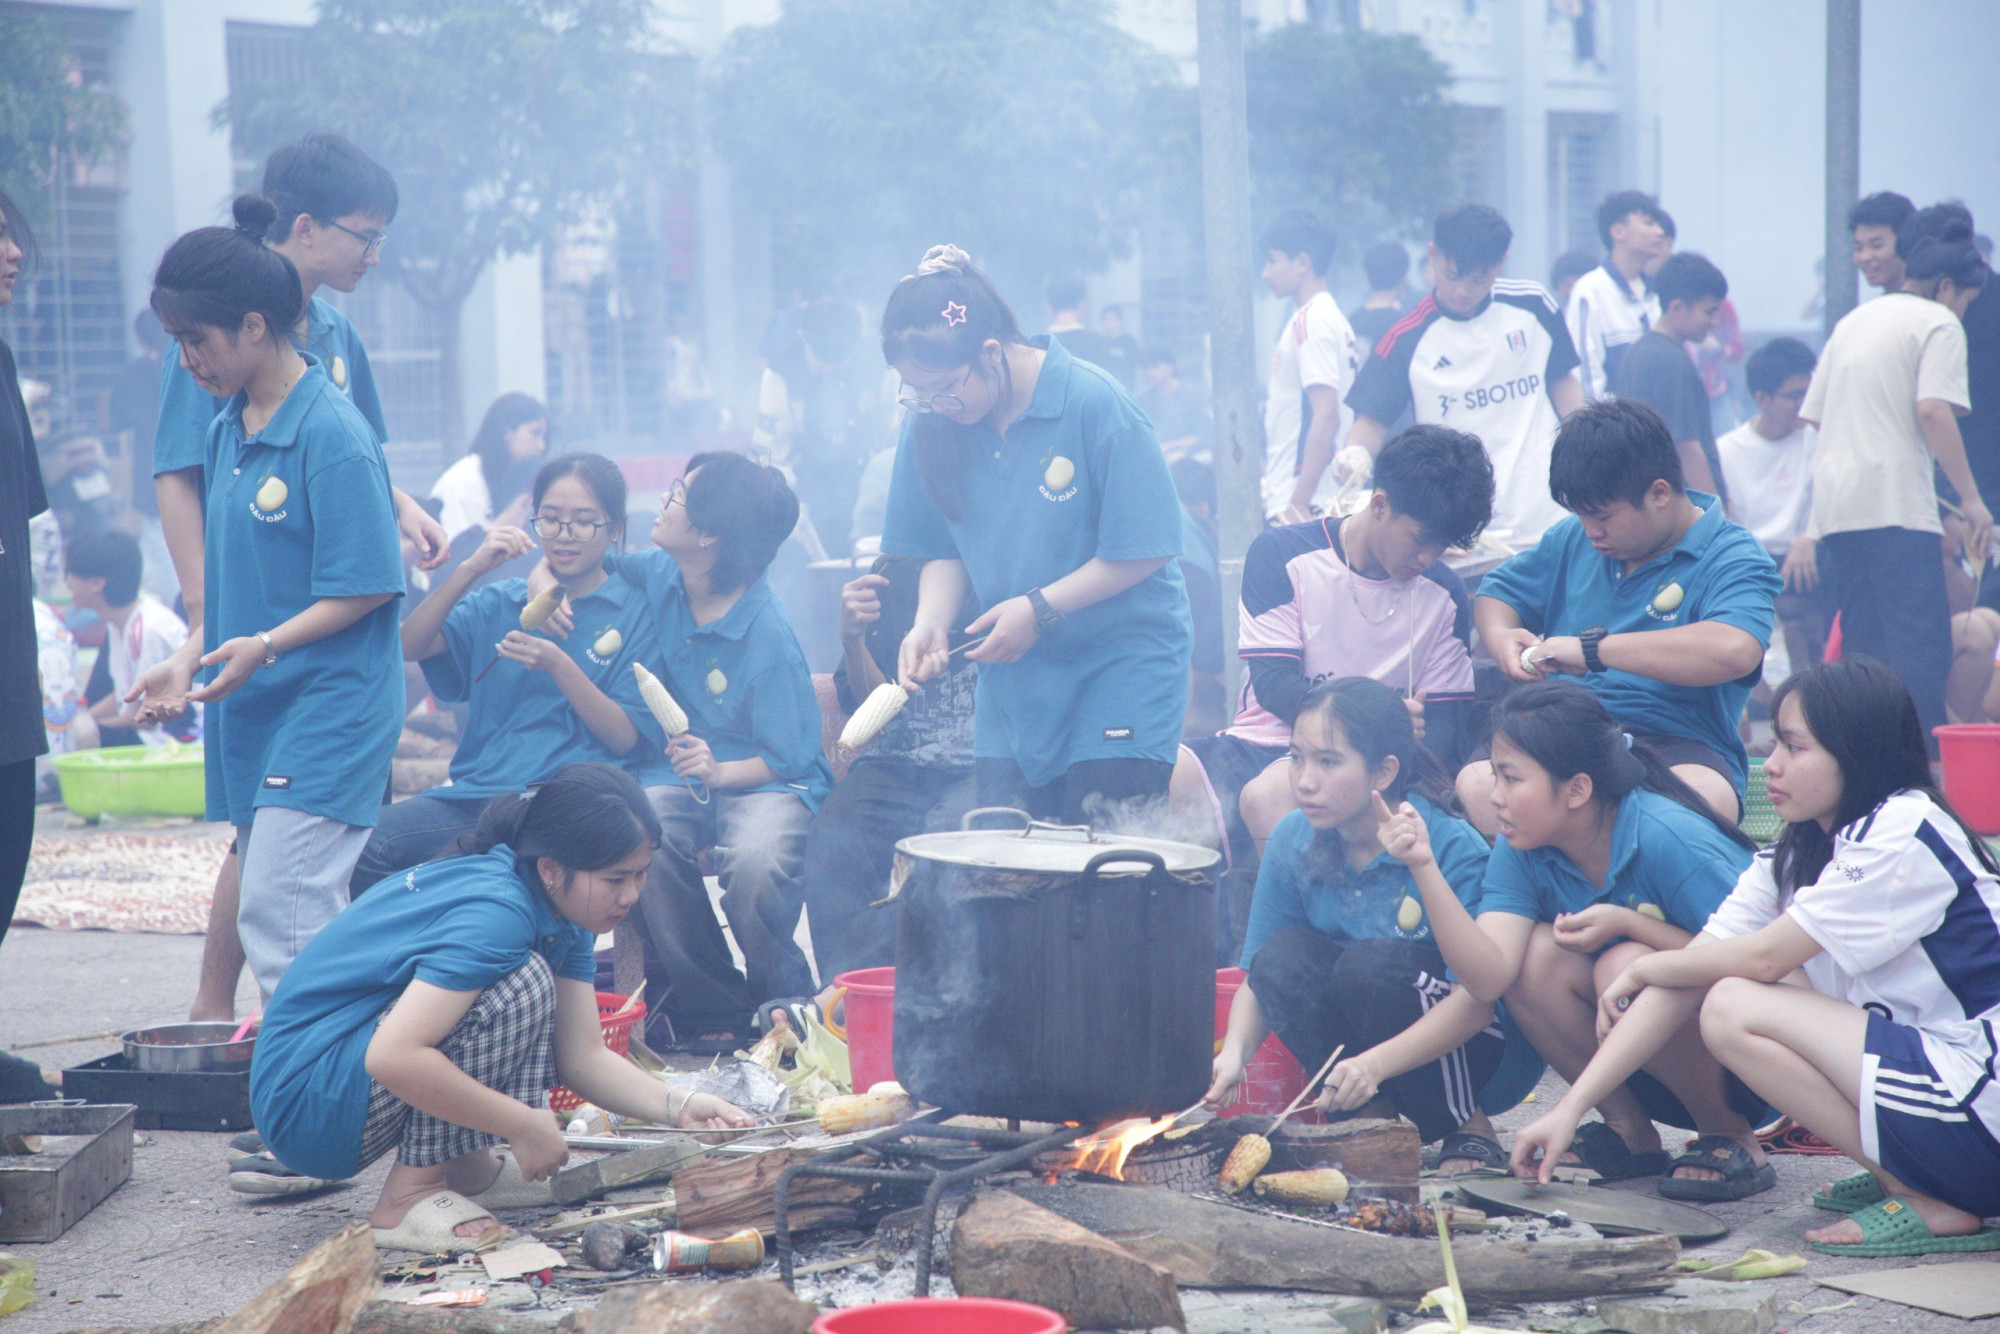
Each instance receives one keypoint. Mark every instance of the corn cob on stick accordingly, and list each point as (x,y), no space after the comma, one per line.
(534,615)
(1321,1186)
(883,703)
(1245,1161)
(672,717)
(863,1111)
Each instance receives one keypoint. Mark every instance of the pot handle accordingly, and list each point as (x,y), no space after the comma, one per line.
(1112,856)
(1026,820)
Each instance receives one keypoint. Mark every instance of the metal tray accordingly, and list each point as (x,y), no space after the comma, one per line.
(43,1194)
(201,1100)
(1615,1213)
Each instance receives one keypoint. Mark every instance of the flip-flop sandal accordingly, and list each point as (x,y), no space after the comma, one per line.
(1481,1149)
(263,1174)
(1849,1194)
(1788,1136)
(791,1007)
(1894,1228)
(1717,1153)
(429,1227)
(1598,1147)
(511,1190)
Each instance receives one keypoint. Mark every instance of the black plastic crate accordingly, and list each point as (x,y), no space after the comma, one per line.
(196,1101)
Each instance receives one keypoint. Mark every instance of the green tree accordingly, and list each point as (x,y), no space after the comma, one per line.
(1355,125)
(872,129)
(47,115)
(504,121)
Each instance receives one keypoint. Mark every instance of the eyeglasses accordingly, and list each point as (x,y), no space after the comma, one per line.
(946,403)
(582,529)
(677,494)
(371,242)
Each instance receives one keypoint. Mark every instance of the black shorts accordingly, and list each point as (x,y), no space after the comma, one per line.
(1230,763)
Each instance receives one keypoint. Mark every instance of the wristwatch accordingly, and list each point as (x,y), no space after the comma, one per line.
(270,649)
(1045,615)
(1590,639)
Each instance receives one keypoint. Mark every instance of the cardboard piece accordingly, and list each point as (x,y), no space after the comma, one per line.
(1968,1289)
(519,1261)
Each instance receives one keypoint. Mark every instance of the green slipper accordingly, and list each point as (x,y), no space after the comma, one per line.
(1894,1228)
(1850,1193)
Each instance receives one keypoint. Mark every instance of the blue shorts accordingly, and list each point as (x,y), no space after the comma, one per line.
(1921,1133)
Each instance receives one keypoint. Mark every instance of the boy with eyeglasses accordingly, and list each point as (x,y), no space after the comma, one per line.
(1767,465)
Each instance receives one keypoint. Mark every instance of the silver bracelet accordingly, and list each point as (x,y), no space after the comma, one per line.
(687,1096)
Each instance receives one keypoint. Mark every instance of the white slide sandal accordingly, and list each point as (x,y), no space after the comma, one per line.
(429,1227)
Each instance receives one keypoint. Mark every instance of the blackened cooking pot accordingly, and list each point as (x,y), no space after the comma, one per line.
(1049,973)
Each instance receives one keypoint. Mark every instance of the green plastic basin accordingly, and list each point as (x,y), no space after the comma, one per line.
(133,780)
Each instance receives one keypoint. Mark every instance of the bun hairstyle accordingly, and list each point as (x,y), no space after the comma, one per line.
(747,506)
(940,318)
(214,276)
(586,817)
(1567,730)
(1944,250)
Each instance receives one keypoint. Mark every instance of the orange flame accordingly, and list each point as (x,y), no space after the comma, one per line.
(1105,1150)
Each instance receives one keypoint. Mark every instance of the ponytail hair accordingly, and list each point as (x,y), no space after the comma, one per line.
(1377,725)
(586,817)
(1861,713)
(214,276)
(939,318)
(1567,730)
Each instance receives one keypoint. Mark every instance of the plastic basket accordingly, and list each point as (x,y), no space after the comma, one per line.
(1760,819)
(133,780)
(617,1036)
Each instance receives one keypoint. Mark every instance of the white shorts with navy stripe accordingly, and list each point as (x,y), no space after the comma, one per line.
(1918,1130)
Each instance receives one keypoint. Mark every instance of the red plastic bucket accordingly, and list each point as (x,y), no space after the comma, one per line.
(618,1023)
(942,1315)
(871,1025)
(1971,756)
(1273,1076)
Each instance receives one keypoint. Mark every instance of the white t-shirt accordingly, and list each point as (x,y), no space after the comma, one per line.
(1908,921)
(1489,374)
(1316,347)
(1770,483)
(152,634)
(467,501)
(1874,467)
(1605,317)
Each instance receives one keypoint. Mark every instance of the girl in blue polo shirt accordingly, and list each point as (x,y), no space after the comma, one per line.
(433,1016)
(302,570)
(533,703)
(1031,482)
(1339,949)
(745,778)
(1603,856)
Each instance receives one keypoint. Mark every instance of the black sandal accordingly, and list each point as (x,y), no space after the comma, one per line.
(1717,1153)
(1467,1147)
(1598,1147)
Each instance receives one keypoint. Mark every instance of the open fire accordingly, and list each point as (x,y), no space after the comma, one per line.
(1105,1150)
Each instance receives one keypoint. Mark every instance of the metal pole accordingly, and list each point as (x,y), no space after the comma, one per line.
(1225,192)
(1843,152)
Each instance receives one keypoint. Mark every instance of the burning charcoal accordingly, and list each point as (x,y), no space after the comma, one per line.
(604,1246)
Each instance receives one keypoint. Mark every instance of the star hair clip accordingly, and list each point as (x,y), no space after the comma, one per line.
(954,314)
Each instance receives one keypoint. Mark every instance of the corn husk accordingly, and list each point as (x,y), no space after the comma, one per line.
(1751,1264)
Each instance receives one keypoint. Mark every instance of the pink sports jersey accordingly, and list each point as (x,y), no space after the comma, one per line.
(1301,602)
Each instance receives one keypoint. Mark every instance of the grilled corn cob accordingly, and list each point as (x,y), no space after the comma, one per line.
(540,607)
(883,703)
(1322,1186)
(673,719)
(1245,1161)
(864,1111)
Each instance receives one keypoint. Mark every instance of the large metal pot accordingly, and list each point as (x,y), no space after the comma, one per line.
(173,1049)
(1050,973)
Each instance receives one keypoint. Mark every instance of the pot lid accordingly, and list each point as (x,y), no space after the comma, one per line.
(1033,846)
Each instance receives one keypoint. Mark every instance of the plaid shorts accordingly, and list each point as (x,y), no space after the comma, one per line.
(506,1041)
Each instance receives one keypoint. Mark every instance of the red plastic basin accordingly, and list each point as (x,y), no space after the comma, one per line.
(943,1315)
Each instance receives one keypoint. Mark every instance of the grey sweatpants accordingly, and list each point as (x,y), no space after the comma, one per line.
(294,871)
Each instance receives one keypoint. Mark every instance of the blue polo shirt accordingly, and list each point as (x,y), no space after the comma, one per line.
(300,512)
(1662,853)
(520,727)
(742,679)
(1293,892)
(461,924)
(1079,474)
(1718,571)
(186,409)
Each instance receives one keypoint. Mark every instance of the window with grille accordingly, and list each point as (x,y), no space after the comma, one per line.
(1581,168)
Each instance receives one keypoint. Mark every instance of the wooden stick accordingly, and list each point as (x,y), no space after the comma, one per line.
(1306,1092)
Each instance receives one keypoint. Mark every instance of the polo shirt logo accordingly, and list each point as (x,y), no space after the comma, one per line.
(1058,479)
(277,782)
(717,682)
(270,500)
(1666,602)
(605,647)
(1117,734)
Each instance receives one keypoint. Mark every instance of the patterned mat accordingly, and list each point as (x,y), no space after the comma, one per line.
(117,881)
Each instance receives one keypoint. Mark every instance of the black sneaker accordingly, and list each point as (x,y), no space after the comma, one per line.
(248,1142)
(262,1174)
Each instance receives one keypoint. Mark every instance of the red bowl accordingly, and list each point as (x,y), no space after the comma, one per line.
(943,1315)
